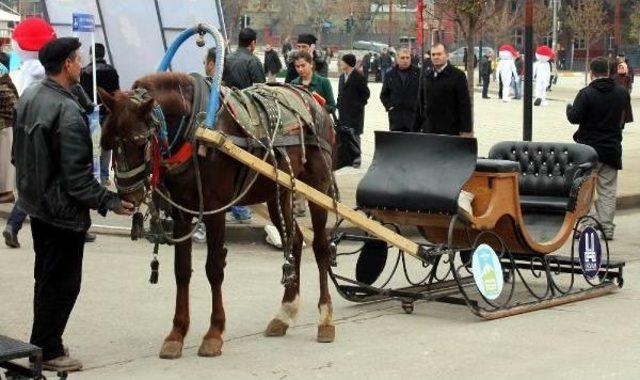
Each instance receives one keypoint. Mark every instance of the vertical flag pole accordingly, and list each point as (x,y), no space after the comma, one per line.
(93,64)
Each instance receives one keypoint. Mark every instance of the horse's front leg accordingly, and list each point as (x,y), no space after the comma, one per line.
(216,261)
(172,346)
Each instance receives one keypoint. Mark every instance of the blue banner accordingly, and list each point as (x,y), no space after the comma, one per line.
(83,22)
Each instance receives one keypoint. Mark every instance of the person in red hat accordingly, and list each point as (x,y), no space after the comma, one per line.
(507,70)
(542,74)
(28,38)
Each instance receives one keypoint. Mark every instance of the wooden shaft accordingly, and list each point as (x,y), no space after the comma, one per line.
(373,227)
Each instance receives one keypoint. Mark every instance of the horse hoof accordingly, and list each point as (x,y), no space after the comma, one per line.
(326,334)
(171,350)
(210,348)
(276,328)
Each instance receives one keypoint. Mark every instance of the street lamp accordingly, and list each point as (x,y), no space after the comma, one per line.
(527,125)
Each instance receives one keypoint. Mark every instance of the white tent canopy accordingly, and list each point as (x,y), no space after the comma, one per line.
(137,33)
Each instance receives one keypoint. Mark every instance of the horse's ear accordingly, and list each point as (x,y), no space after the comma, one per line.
(107,100)
(145,108)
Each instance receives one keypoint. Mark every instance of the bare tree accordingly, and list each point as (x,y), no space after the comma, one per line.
(499,26)
(232,10)
(634,23)
(588,21)
(542,20)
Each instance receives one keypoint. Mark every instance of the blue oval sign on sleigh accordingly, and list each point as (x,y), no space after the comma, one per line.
(590,251)
(487,272)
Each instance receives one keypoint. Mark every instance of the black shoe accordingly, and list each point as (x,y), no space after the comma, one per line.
(10,237)
(537,102)
(89,237)
(486,97)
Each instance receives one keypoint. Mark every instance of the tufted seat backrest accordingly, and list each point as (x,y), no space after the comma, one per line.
(546,169)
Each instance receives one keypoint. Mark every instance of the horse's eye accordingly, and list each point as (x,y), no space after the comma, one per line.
(140,141)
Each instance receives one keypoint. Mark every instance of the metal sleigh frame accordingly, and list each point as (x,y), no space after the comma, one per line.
(535,278)
(527,263)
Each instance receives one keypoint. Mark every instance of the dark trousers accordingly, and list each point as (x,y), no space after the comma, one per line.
(57,273)
(16,218)
(486,79)
(358,137)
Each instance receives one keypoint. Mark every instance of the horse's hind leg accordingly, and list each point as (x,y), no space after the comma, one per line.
(291,299)
(172,346)
(326,329)
(216,261)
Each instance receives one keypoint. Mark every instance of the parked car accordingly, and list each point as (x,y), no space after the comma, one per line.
(456,57)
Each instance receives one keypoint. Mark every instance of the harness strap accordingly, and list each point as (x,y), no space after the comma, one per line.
(133,172)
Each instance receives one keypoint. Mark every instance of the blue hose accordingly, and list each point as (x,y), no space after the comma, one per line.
(214,98)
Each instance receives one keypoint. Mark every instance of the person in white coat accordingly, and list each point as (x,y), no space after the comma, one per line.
(507,70)
(542,74)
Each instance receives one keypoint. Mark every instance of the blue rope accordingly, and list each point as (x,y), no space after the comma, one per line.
(178,135)
(159,116)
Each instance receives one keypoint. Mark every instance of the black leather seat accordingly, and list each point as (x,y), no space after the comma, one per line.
(550,173)
(417,172)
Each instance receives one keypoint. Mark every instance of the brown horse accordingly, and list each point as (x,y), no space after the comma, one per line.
(129,132)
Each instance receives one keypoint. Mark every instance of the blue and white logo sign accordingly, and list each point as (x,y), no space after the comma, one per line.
(83,22)
(487,272)
(590,251)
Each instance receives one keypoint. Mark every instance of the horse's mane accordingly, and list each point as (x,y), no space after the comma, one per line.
(173,91)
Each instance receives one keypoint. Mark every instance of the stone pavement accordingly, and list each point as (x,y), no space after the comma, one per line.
(120,321)
(494,121)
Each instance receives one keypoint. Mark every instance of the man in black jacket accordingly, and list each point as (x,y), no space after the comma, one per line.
(444,106)
(52,155)
(242,69)
(400,91)
(306,43)
(108,79)
(353,95)
(599,110)
(272,64)
(485,73)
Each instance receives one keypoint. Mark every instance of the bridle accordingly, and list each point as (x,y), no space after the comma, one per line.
(132,178)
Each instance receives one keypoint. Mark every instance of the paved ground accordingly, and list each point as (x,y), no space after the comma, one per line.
(120,321)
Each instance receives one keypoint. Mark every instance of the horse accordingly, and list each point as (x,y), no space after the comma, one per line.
(130,132)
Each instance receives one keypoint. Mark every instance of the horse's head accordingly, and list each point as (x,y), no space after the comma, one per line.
(130,131)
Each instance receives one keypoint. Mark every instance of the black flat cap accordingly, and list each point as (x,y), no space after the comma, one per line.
(308,39)
(56,51)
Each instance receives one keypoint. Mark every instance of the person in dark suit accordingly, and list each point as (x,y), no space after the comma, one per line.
(444,105)
(485,74)
(353,95)
(400,91)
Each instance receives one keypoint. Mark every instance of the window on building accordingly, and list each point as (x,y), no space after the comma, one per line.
(579,44)
(610,42)
(518,38)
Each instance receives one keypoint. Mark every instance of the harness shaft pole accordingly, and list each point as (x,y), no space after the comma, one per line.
(218,140)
